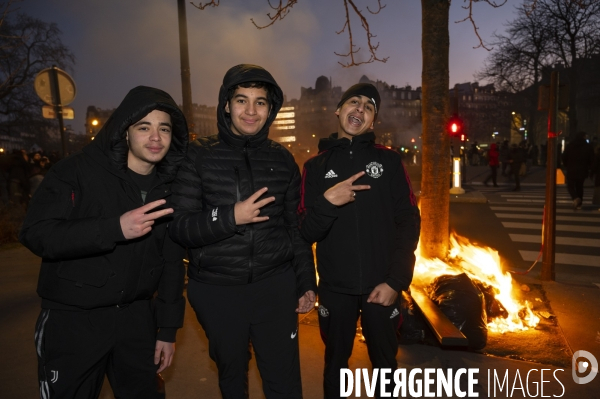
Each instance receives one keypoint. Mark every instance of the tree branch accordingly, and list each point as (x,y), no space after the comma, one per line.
(365,25)
(283,8)
(281,11)
(212,3)
(470,18)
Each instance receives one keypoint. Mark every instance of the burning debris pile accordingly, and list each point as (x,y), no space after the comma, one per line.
(471,286)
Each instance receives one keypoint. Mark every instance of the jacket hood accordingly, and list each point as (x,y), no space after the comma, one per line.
(110,145)
(245,73)
(333,141)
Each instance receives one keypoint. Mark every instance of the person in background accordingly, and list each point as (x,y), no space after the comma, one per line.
(503,156)
(515,158)
(595,176)
(111,279)
(37,170)
(18,183)
(577,159)
(493,163)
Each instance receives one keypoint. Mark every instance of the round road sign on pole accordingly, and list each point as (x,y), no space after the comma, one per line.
(66,86)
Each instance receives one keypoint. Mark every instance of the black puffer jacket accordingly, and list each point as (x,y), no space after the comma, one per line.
(224,169)
(371,240)
(73,223)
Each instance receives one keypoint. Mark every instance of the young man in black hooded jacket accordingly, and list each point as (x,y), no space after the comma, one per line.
(366,235)
(96,221)
(235,200)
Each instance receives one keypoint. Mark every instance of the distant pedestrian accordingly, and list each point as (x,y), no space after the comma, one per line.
(524,168)
(4,165)
(595,176)
(492,156)
(37,170)
(503,156)
(577,159)
(515,158)
(18,182)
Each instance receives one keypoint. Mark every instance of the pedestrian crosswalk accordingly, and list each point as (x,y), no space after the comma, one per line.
(533,195)
(577,239)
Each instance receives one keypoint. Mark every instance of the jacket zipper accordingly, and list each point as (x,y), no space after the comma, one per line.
(237,183)
(250,226)
(356,215)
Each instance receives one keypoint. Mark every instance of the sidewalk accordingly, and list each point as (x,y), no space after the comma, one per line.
(194,375)
(575,300)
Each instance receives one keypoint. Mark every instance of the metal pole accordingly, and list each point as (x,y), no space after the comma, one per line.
(549,230)
(186,83)
(58,107)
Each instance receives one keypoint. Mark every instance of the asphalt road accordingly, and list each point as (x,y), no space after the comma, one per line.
(511,222)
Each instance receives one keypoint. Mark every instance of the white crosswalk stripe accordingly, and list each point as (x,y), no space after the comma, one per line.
(582,242)
(565,259)
(577,237)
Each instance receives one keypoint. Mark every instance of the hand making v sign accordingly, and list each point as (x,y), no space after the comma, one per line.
(344,191)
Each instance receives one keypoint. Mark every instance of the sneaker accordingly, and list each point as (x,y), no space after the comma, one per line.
(577,203)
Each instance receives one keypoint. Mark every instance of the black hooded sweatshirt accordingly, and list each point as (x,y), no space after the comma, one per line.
(224,169)
(73,223)
(371,240)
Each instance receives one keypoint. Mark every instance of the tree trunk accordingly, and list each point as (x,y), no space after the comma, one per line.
(435,181)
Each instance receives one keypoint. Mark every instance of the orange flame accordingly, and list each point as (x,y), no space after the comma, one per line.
(483,264)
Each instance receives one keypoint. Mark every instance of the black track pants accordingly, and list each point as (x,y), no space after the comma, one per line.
(77,348)
(338,314)
(575,187)
(262,313)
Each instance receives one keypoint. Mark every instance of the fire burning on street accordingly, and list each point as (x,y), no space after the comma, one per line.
(481,264)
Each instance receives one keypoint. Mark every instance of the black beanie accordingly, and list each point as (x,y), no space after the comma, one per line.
(362,89)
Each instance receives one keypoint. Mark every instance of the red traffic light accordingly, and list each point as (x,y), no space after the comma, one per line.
(455,126)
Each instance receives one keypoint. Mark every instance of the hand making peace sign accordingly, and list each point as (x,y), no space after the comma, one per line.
(344,191)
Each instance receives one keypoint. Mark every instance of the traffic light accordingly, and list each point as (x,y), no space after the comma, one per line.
(455,127)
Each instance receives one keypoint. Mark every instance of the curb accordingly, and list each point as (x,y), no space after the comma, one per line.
(470,196)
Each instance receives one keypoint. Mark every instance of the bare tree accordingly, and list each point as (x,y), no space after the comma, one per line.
(575,30)
(27,45)
(544,34)
(518,58)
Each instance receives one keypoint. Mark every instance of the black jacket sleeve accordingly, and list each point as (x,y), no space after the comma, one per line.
(317,215)
(49,231)
(192,225)
(169,302)
(303,262)
(407,219)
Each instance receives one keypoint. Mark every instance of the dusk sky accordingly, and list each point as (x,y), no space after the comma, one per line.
(119,44)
